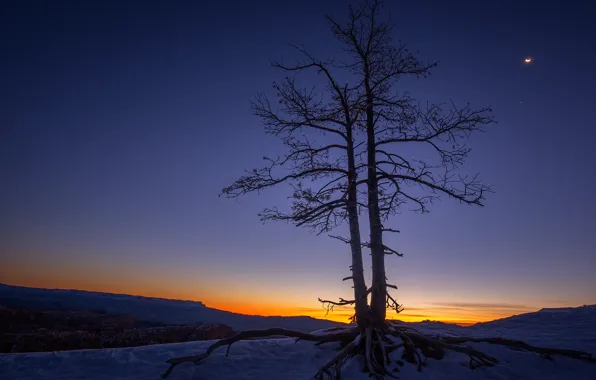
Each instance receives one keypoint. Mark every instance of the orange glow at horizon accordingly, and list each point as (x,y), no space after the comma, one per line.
(229,297)
(441,314)
(248,307)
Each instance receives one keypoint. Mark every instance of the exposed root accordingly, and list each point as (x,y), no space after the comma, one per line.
(376,352)
(523,346)
(410,354)
(376,345)
(250,334)
(477,358)
(337,329)
(337,361)
(435,349)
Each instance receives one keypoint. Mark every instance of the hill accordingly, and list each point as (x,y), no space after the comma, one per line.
(158,310)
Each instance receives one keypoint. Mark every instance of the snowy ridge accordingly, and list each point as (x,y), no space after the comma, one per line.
(574,328)
(568,309)
(149,309)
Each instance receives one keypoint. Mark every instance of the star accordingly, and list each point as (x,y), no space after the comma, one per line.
(528,60)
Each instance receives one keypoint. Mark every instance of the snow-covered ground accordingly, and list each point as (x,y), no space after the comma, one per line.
(272,359)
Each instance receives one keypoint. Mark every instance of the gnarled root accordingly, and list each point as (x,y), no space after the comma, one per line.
(523,346)
(337,361)
(375,344)
(435,349)
(342,336)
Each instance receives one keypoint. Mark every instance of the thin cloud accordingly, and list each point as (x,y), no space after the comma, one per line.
(477,305)
(318,310)
(413,308)
(416,315)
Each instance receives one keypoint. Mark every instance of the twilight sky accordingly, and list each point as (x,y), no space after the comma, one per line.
(120,122)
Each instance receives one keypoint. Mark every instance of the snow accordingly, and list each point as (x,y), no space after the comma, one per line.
(271,359)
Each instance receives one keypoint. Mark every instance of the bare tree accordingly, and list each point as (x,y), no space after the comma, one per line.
(390,120)
(323,176)
(364,127)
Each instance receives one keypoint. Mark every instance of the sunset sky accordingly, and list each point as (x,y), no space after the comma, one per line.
(121,121)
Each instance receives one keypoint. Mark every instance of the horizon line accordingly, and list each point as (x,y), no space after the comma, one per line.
(335,317)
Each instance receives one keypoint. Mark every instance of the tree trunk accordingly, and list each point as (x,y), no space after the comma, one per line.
(379,289)
(360,295)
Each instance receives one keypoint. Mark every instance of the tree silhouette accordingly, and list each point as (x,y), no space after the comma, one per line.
(323,176)
(345,156)
(390,120)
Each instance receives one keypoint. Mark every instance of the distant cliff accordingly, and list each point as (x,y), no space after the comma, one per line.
(148,309)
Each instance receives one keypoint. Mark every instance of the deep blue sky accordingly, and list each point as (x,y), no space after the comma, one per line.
(121,121)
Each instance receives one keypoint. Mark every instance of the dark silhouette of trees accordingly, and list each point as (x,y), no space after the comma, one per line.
(345,156)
